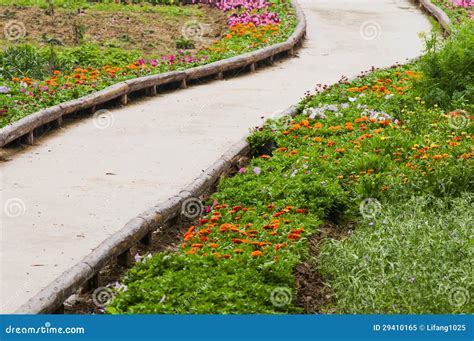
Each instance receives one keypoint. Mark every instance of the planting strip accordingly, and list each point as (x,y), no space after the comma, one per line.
(25,128)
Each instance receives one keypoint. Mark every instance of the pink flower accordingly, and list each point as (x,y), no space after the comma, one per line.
(242,170)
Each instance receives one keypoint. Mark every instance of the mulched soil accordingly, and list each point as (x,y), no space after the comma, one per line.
(152,33)
(313,295)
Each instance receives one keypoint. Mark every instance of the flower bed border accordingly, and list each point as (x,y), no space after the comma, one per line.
(25,129)
(436,12)
(139,229)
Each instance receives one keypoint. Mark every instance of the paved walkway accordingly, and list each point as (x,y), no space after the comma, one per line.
(79,185)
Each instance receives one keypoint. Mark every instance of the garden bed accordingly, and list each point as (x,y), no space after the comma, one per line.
(261,27)
(154,30)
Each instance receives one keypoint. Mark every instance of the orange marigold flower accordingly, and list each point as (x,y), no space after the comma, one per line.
(198,246)
(294,236)
(256,253)
(305,123)
(440,156)
(238,251)
(465,156)
(361,119)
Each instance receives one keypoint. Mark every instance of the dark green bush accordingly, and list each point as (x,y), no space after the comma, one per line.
(449,71)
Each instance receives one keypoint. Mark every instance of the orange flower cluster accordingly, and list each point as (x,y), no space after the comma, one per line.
(259,33)
(252,242)
(387,86)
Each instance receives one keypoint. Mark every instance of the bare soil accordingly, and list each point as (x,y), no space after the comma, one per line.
(152,33)
(313,295)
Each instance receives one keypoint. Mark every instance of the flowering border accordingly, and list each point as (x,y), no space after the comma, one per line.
(26,127)
(139,229)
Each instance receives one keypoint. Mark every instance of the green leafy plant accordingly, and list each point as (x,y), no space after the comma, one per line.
(184,43)
(448,72)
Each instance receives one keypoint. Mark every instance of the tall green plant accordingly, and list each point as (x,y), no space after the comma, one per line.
(448,79)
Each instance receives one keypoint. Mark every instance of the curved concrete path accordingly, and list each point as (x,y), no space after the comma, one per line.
(80,184)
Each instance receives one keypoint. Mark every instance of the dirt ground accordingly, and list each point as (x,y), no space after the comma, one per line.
(152,33)
(313,295)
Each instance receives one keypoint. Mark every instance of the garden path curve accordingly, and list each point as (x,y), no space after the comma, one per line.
(81,184)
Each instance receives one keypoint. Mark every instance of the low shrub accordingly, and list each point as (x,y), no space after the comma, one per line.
(448,72)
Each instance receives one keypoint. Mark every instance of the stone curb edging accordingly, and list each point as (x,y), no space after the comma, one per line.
(51,298)
(25,127)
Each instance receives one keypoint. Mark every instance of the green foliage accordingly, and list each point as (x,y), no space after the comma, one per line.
(449,70)
(415,259)
(26,61)
(37,63)
(184,43)
(173,284)
(259,138)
